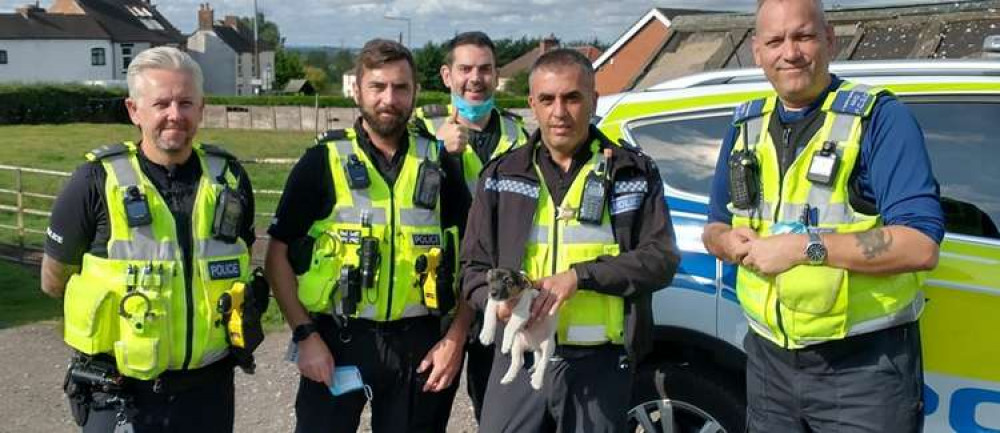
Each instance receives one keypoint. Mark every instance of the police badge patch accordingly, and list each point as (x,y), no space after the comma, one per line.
(426,240)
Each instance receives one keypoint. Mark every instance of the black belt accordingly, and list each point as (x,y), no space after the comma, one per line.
(575,351)
(382,327)
(177,381)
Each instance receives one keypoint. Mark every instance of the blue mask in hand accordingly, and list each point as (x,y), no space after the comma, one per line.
(469,111)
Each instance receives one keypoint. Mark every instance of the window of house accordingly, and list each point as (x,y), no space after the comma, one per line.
(3,57)
(97,57)
(126,57)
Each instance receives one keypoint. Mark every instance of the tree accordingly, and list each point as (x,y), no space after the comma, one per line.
(428,61)
(518,84)
(318,78)
(286,67)
(343,61)
(267,32)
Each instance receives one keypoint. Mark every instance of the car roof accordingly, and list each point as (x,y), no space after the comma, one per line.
(854,69)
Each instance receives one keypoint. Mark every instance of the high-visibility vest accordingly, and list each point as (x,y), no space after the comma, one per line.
(558,240)
(511,136)
(813,304)
(135,304)
(404,232)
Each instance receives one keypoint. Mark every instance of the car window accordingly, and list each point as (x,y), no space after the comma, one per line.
(963,139)
(685,148)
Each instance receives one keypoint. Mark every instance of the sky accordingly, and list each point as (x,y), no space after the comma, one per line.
(350,23)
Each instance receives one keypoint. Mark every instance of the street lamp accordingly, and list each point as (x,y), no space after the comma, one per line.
(407,19)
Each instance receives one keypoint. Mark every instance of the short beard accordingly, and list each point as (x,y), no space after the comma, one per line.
(385,129)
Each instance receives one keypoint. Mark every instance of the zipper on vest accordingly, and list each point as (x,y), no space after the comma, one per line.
(392,252)
(785,135)
(555,240)
(189,303)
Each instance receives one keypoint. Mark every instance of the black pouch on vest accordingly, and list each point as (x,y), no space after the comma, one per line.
(595,193)
(350,289)
(744,180)
(357,174)
(428,188)
(228,215)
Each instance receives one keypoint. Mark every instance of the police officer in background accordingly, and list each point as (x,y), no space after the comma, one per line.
(476,130)
(144,240)
(472,126)
(825,197)
(364,208)
(585,219)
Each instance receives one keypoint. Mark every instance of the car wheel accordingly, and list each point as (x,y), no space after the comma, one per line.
(678,398)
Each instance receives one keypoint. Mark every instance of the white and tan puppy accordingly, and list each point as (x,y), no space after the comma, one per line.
(505,284)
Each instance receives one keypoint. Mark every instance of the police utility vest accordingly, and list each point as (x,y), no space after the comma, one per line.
(511,136)
(813,304)
(404,232)
(135,304)
(558,240)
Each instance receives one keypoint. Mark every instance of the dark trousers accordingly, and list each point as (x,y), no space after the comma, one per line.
(479,362)
(870,383)
(387,355)
(190,401)
(586,390)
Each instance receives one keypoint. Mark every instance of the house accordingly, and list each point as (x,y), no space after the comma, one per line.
(953,30)
(347,84)
(80,40)
(523,63)
(626,58)
(225,50)
(299,86)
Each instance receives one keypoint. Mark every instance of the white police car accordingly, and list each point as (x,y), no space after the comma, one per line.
(694,382)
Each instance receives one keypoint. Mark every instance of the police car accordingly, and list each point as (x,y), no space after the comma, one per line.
(694,382)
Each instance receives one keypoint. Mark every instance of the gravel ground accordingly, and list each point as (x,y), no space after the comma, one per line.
(35,360)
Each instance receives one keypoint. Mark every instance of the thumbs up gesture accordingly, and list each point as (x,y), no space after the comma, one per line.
(454,135)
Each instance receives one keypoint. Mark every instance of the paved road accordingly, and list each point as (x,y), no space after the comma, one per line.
(34,361)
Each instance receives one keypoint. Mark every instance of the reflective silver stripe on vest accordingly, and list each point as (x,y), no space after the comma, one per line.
(514,186)
(352,215)
(587,234)
(360,197)
(539,235)
(764,211)
(415,310)
(418,217)
(424,146)
(828,213)
(209,357)
(586,334)
(510,129)
(142,247)
(216,167)
(367,313)
(215,248)
(906,315)
(754,127)
(122,166)
(437,122)
(471,185)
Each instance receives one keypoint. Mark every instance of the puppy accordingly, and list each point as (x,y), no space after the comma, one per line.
(506,284)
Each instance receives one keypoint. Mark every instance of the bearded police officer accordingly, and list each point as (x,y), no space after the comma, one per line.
(144,241)
(362,220)
(824,196)
(476,130)
(584,219)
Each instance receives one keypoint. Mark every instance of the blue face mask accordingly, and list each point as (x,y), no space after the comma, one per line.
(469,111)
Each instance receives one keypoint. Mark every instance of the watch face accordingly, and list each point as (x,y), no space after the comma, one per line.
(816,253)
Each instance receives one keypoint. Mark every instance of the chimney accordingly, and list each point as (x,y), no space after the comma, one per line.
(233,22)
(206,16)
(27,11)
(548,43)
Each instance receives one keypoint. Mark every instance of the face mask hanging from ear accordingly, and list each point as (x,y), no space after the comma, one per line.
(470,111)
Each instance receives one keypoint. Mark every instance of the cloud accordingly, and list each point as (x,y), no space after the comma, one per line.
(352,22)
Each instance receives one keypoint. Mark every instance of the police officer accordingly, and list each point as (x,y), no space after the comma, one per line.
(825,197)
(143,241)
(585,219)
(474,128)
(364,207)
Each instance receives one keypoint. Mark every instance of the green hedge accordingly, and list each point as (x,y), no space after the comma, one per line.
(67,103)
(34,104)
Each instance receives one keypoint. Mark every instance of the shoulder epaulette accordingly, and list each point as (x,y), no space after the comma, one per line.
(748,110)
(331,135)
(106,151)
(212,149)
(507,113)
(854,102)
(434,110)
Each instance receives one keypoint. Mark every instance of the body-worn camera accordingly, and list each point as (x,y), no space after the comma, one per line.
(137,208)
(744,179)
(428,188)
(357,174)
(595,193)
(824,164)
(228,215)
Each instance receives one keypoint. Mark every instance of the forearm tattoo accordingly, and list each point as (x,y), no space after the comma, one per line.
(874,243)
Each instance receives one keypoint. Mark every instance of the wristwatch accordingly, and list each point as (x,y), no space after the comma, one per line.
(303,331)
(815,250)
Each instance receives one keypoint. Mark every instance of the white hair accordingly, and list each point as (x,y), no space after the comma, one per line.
(163,58)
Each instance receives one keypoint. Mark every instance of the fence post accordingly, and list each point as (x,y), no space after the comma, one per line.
(19,187)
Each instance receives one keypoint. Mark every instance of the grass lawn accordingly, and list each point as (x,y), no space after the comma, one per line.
(61,147)
(21,299)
